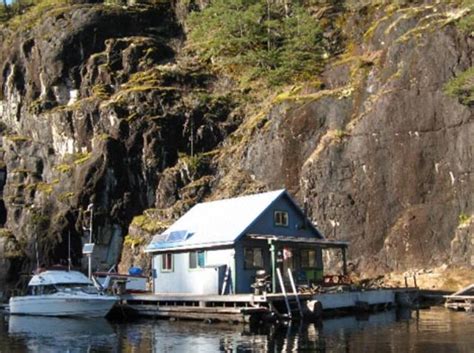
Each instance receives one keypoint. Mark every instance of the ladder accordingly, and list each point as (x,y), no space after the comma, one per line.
(295,292)
(283,289)
(226,279)
(285,294)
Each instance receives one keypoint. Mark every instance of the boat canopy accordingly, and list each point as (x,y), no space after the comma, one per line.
(59,277)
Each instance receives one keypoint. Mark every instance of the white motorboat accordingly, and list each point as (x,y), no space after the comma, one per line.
(62,293)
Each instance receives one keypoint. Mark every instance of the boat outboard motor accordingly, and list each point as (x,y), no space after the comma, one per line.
(262,282)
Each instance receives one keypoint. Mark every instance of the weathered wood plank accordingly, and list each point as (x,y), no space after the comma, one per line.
(232,298)
(187,309)
(179,313)
(197,298)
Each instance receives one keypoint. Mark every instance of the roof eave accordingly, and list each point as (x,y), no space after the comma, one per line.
(190,247)
(324,243)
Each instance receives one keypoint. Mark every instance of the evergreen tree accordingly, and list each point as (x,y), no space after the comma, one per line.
(276,40)
(4,11)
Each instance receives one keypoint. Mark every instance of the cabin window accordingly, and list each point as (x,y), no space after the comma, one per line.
(280,218)
(308,258)
(253,258)
(167,262)
(197,259)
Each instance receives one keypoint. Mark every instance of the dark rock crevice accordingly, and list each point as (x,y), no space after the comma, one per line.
(108,108)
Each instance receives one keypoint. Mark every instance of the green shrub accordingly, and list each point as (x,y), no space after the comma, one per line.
(149,223)
(466,23)
(131,241)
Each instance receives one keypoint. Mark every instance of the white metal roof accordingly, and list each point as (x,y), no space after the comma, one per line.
(214,223)
(58,277)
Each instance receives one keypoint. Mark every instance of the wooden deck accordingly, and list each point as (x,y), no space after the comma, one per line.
(229,298)
(235,308)
(245,307)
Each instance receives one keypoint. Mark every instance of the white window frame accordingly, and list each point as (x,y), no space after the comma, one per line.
(162,262)
(196,253)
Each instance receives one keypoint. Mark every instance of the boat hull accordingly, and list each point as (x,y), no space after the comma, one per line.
(69,306)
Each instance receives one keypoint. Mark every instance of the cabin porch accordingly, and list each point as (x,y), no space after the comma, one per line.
(301,256)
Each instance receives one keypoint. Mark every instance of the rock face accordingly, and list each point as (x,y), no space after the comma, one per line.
(382,158)
(100,105)
(95,108)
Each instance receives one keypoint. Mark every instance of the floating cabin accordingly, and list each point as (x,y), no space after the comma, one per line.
(204,266)
(217,247)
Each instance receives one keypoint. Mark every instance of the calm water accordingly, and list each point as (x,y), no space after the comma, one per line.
(428,331)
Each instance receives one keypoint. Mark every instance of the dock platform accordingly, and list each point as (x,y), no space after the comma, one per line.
(234,307)
(248,307)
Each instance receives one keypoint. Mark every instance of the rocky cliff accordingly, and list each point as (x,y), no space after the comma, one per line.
(106,105)
(381,156)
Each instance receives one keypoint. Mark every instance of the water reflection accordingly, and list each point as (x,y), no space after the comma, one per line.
(430,331)
(45,334)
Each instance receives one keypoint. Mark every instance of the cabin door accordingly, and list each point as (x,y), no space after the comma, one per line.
(288,260)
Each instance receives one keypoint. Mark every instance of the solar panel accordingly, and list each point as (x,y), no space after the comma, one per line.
(178,235)
(88,249)
(159,238)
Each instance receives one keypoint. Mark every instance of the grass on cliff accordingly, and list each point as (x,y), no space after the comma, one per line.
(26,13)
(462,87)
(466,23)
(149,223)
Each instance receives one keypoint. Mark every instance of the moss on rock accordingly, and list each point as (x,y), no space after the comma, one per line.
(462,87)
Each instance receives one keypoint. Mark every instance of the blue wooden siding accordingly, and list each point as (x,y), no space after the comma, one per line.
(296,222)
(265,225)
(246,277)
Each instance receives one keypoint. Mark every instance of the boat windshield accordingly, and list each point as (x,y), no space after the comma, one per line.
(42,290)
(75,287)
